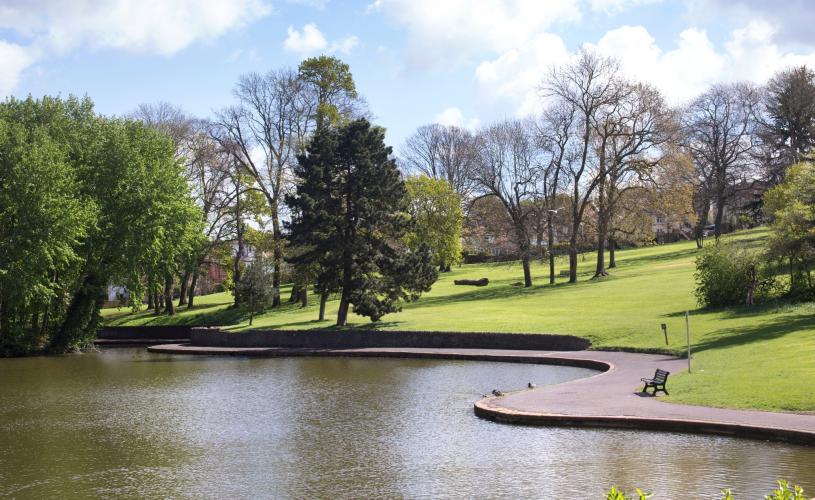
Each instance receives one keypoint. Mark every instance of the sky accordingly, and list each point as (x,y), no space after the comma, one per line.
(455,62)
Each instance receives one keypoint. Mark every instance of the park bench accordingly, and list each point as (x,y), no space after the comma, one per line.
(658,382)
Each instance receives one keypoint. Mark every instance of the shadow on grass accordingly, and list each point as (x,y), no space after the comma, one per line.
(768,330)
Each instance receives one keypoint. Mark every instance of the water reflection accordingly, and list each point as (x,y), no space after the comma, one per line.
(125,422)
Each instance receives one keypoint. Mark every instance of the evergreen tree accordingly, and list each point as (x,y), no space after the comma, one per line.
(350,215)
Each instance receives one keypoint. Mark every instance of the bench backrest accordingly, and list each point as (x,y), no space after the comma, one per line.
(660,376)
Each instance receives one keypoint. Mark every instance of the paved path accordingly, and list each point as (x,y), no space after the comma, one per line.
(608,399)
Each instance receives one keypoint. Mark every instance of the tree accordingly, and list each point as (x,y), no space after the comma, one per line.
(351,227)
(554,134)
(629,135)
(589,88)
(264,133)
(333,91)
(787,126)
(137,218)
(442,152)
(791,206)
(42,220)
(717,130)
(506,168)
(435,212)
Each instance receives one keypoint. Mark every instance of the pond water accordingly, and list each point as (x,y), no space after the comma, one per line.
(124,422)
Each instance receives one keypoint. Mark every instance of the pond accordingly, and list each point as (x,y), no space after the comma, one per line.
(125,422)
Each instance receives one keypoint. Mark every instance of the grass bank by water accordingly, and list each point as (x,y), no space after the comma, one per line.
(747,358)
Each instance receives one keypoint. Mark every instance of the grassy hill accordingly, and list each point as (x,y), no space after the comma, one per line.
(750,358)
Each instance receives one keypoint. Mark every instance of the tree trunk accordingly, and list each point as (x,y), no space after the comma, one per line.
(600,269)
(323,300)
(236,272)
(168,295)
(191,291)
(717,229)
(149,300)
(573,259)
(304,296)
(550,244)
(81,317)
(295,293)
(527,271)
(277,257)
(342,313)
(182,294)
(612,246)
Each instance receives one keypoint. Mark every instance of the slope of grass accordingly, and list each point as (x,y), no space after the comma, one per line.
(759,358)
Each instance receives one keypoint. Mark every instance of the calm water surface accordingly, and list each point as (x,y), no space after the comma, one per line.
(126,423)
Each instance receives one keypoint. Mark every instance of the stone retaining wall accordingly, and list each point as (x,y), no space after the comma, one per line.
(159,332)
(351,339)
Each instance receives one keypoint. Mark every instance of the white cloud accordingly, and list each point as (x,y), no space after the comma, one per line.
(157,26)
(311,40)
(148,26)
(611,7)
(453,116)
(515,75)
(307,41)
(682,72)
(345,45)
(13,60)
(452,31)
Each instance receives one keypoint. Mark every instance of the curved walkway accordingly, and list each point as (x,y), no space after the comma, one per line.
(608,399)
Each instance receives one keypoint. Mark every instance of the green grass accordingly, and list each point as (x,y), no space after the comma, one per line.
(760,358)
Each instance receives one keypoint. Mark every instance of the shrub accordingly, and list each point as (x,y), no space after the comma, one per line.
(727,276)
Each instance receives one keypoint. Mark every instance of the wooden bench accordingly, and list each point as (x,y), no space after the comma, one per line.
(658,382)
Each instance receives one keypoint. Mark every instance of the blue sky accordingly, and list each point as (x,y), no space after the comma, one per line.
(416,61)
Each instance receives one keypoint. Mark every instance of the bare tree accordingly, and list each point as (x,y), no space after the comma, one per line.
(264,133)
(441,152)
(629,134)
(718,130)
(506,168)
(555,130)
(589,86)
(209,173)
(166,118)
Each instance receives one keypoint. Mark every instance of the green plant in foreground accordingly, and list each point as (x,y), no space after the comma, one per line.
(784,492)
(616,494)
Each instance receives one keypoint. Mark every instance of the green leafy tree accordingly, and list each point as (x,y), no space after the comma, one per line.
(351,225)
(333,86)
(791,207)
(119,210)
(437,219)
(42,220)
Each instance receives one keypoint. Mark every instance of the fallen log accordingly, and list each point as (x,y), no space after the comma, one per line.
(481,282)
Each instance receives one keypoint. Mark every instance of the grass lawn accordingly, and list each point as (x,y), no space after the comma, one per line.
(747,358)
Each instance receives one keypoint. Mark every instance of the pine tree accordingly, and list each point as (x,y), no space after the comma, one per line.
(350,215)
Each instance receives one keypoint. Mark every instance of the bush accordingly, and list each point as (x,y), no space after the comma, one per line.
(727,276)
